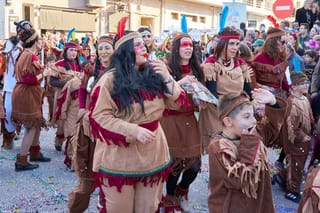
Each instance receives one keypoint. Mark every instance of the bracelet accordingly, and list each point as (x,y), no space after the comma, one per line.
(169,80)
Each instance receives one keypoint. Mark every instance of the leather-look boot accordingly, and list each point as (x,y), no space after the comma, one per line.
(8,137)
(22,164)
(36,155)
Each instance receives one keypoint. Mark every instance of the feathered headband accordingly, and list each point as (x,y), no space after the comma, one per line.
(70,45)
(106,39)
(121,38)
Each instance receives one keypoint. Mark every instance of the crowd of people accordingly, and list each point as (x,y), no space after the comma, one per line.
(123,107)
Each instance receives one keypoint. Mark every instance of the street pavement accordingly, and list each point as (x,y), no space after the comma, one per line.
(46,188)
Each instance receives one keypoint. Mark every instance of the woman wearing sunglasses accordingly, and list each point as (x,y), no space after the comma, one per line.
(148,41)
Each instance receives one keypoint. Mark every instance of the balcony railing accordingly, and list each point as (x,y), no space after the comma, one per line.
(263,4)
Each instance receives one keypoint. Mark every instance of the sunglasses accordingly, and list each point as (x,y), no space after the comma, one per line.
(145,36)
(303,83)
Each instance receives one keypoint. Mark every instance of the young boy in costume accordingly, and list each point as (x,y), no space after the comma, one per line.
(298,128)
(239,178)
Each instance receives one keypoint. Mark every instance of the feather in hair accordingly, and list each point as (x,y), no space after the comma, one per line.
(121,27)
(70,34)
(273,21)
(184,26)
(296,64)
(85,40)
(223,17)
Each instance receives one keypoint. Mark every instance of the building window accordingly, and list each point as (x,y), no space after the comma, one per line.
(202,19)
(175,16)
(252,23)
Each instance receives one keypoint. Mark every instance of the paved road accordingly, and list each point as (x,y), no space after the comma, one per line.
(46,189)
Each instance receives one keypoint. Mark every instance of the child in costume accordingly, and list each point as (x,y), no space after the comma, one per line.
(239,178)
(298,129)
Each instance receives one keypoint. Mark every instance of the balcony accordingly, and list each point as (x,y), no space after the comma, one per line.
(96,3)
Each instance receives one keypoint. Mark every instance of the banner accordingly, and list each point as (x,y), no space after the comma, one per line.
(237,14)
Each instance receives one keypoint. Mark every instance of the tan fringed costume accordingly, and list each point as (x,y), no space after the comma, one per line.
(299,124)
(120,161)
(311,195)
(60,72)
(27,94)
(239,174)
(226,81)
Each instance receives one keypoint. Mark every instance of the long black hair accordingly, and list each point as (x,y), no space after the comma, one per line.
(129,83)
(175,60)
(67,66)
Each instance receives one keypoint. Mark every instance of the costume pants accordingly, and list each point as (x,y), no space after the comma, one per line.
(79,198)
(188,176)
(8,124)
(140,199)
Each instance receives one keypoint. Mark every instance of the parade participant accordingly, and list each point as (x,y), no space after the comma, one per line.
(12,50)
(64,70)
(224,72)
(181,128)
(27,101)
(269,68)
(131,157)
(298,130)
(270,64)
(82,143)
(310,197)
(149,42)
(239,178)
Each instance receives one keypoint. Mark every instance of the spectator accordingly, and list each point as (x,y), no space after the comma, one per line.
(292,38)
(243,28)
(257,45)
(304,34)
(263,31)
(304,14)
(295,62)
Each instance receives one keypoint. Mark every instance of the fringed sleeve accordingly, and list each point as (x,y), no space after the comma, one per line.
(105,126)
(246,163)
(269,126)
(210,71)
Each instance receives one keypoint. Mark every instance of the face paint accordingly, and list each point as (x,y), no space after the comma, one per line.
(138,48)
(185,44)
(104,52)
(104,49)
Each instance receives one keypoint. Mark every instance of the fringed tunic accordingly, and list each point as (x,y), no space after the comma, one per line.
(239,178)
(118,156)
(27,94)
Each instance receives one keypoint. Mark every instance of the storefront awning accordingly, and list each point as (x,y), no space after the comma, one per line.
(52,19)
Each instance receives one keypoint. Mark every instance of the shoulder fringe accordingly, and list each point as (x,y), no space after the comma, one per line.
(248,174)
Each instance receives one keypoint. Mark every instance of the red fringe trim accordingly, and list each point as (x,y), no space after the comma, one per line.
(183,101)
(30,79)
(119,181)
(60,102)
(34,149)
(75,94)
(98,131)
(109,136)
(146,96)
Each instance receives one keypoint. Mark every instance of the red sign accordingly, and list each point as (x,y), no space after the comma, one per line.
(282,8)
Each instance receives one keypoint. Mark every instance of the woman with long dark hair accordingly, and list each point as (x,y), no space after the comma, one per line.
(181,127)
(131,158)
(63,71)
(224,72)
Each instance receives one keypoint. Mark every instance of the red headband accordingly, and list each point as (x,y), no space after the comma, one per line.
(229,36)
(71,45)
